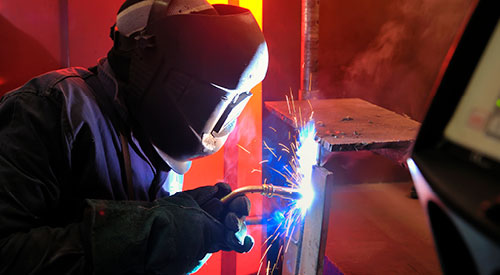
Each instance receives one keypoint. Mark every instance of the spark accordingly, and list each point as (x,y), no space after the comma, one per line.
(294,112)
(256,170)
(262,259)
(289,237)
(300,117)
(310,106)
(288,171)
(312,111)
(274,235)
(288,102)
(293,102)
(270,150)
(273,129)
(242,148)
(301,154)
(284,148)
(260,266)
(276,263)
(283,175)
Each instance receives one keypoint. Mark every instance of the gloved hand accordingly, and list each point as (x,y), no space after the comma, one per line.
(232,214)
(168,236)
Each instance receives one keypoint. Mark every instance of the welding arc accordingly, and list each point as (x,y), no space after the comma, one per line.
(267,190)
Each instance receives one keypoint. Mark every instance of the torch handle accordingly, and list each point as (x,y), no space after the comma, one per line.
(240,191)
(267,190)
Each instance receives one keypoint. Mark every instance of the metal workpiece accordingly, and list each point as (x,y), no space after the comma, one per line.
(267,190)
(307,243)
(353,124)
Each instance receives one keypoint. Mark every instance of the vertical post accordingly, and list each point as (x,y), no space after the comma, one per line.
(309,49)
(64,30)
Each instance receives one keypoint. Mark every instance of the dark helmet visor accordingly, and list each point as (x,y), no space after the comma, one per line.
(196,78)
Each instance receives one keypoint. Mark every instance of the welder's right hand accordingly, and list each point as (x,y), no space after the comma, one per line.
(232,214)
(168,236)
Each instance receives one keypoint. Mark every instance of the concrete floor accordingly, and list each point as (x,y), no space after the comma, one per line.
(375,228)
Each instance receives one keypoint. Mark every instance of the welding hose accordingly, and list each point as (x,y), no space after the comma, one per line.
(267,190)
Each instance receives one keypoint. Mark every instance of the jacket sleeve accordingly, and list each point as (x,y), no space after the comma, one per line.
(32,161)
(31,165)
(164,237)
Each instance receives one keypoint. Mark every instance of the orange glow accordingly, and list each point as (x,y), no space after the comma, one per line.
(217,2)
(251,119)
(250,137)
(255,7)
(207,171)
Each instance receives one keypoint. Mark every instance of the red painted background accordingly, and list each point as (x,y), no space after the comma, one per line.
(30,41)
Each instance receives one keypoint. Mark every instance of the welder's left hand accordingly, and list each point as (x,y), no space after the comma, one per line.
(232,214)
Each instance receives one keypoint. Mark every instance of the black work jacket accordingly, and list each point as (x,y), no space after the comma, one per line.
(58,148)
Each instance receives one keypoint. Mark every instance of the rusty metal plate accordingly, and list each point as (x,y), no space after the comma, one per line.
(349,124)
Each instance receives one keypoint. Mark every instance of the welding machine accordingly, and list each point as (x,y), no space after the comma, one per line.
(455,164)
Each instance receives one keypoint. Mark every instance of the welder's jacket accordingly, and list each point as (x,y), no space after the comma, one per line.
(58,149)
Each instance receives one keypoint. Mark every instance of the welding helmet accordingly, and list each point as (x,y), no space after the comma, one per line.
(188,68)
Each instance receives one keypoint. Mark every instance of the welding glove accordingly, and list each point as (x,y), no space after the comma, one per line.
(232,214)
(168,236)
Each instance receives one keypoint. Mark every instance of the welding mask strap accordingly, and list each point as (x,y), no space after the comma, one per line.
(128,166)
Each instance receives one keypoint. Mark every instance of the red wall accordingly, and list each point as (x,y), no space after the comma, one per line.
(282,31)
(33,36)
(89,27)
(30,41)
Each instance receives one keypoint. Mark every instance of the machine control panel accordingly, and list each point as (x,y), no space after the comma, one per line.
(475,124)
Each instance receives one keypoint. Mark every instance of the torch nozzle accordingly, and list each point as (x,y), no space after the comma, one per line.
(267,190)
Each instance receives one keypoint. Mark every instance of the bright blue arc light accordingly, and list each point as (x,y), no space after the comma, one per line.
(307,154)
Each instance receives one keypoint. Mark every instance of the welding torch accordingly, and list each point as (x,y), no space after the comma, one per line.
(267,190)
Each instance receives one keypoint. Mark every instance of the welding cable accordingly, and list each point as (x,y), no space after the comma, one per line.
(267,190)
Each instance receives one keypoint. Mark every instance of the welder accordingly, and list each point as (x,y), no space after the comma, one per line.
(84,153)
